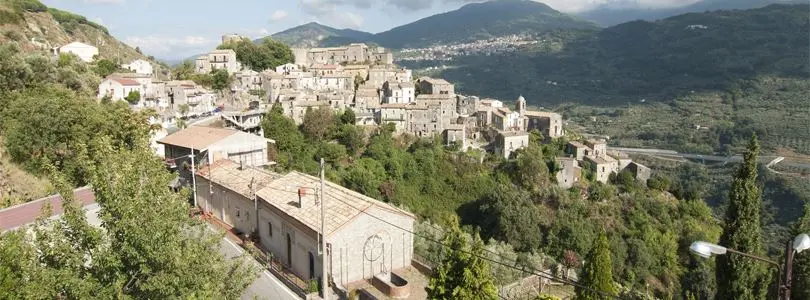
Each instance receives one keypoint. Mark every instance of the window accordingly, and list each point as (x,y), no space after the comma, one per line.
(237,212)
(270,229)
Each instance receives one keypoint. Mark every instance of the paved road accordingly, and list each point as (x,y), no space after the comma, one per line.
(723,159)
(266,285)
(22,214)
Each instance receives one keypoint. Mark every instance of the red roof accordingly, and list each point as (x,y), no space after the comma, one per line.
(27,213)
(125,81)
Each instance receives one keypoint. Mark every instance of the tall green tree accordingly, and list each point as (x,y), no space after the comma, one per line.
(801,264)
(266,55)
(463,273)
(597,273)
(319,124)
(221,79)
(741,277)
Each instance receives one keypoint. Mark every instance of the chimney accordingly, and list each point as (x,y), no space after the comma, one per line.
(302,192)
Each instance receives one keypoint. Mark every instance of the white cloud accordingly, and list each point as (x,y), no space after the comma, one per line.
(326,11)
(278,15)
(164,45)
(569,6)
(104,1)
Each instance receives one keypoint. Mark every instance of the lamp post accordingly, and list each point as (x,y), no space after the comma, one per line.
(799,244)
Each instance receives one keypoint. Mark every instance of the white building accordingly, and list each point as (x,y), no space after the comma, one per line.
(139,66)
(119,88)
(399,93)
(364,237)
(287,68)
(84,51)
(213,144)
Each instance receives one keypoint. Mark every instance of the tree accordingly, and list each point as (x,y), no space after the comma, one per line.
(318,124)
(463,273)
(348,117)
(183,71)
(138,49)
(365,176)
(183,109)
(801,265)
(259,57)
(105,67)
(597,273)
(358,80)
(509,214)
(352,137)
(133,97)
(530,171)
(221,79)
(740,277)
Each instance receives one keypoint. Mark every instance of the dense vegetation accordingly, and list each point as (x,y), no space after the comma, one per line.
(267,54)
(69,21)
(512,201)
(52,124)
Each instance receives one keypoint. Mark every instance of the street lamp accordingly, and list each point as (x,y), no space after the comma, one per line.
(799,244)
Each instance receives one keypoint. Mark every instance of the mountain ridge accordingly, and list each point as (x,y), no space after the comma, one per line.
(606,16)
(469,22)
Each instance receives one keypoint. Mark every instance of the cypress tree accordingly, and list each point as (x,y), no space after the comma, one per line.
(800,288)
(597,273)
(739,277)
(463,273)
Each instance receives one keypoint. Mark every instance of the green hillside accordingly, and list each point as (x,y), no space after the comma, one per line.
(736,72)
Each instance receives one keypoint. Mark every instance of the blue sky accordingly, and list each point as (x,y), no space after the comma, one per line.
(176,29)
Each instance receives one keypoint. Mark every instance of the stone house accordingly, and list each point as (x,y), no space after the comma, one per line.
(570,172)
(578,150)
(366,100)
(394,113)
(508,142)
(198,99)
(218,59)
(139,66)
(364,237)
(379,74)
(599,147)
(212,144)
(640,172)
(85,52)
(287,68)
(248,80)
(602,167)
(547,123)
(119,88)
(505,119)
(434,86)
(334,82)
(356,70)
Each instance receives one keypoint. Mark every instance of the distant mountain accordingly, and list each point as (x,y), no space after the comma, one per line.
(606,16)
(480,21)
(314,34)
(654,60)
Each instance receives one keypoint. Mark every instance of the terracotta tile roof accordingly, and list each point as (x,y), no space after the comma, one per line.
(125,81)
(197,137)
(27,213)
(543,114)
(342,205)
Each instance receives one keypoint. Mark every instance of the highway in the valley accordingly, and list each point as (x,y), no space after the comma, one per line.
(705,157)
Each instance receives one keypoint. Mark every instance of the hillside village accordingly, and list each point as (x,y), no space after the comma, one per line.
(402,168)
(365,80)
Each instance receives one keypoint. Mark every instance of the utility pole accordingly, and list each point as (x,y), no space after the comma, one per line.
(210,187)
(255,204)
(193,178)
(324,275)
